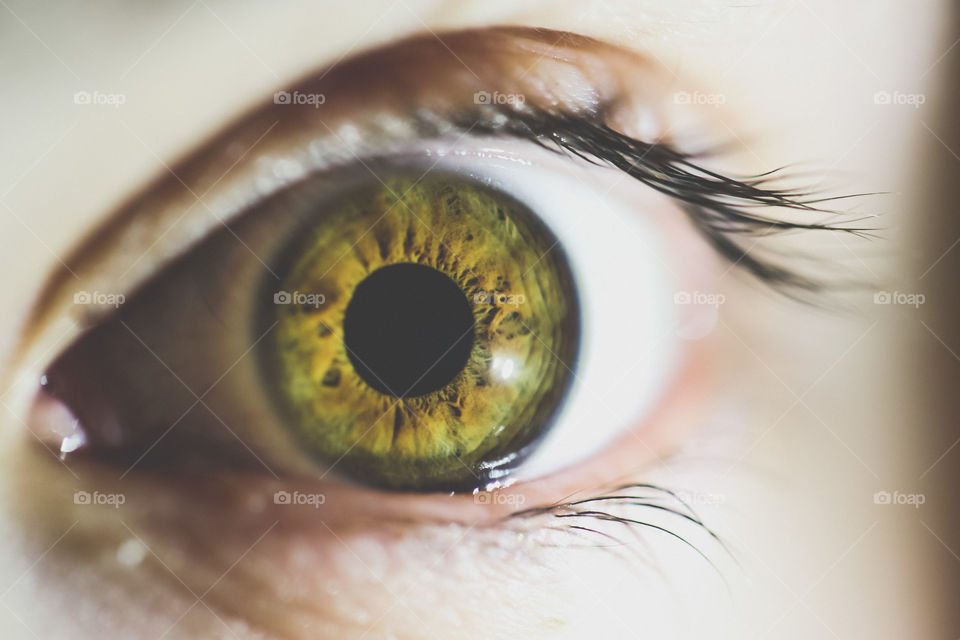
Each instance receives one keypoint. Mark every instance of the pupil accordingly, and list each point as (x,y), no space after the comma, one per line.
(408,329)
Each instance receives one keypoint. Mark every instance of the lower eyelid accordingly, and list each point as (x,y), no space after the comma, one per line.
(320,574)
(249,501)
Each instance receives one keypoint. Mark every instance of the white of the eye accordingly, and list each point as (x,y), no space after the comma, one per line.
(629,347)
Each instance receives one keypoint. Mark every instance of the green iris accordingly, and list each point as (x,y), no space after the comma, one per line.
(426,331)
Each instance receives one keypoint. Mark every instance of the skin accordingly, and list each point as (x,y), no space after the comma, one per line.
(782,457)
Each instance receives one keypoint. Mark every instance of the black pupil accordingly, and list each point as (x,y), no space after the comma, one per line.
(408,329)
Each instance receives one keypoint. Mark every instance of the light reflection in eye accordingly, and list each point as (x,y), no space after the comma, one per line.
(503,367)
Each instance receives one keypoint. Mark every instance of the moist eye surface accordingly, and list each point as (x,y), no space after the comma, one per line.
(426,332)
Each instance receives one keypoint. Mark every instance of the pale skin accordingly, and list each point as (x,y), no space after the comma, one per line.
(752,431)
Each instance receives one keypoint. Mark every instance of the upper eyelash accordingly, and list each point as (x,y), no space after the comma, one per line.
(718,205)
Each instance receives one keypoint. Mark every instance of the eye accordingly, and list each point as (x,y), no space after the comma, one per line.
(408,329)
(437,301)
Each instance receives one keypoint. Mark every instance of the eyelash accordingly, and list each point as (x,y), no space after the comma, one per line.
(718,205)
(571,513)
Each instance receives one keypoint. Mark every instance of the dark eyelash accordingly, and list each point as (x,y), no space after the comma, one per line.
(575,513)
(720,206)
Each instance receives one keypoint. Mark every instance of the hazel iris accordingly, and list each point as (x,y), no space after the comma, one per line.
(426,333)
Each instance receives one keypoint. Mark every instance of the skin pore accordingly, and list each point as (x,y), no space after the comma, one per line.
(210,554)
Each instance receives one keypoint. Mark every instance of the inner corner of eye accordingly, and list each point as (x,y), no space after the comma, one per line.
(424,333)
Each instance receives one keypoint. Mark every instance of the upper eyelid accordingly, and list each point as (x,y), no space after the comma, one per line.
(248,160)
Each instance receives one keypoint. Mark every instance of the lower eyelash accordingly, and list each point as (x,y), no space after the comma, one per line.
(574,516)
